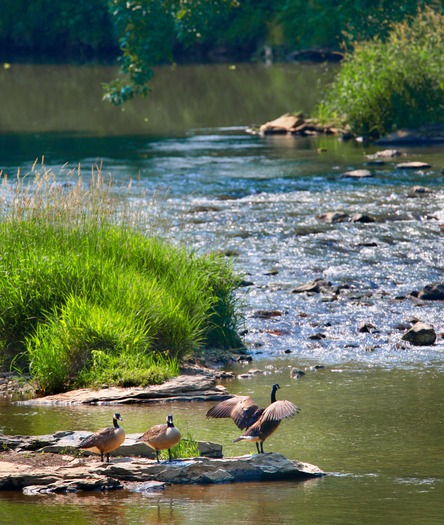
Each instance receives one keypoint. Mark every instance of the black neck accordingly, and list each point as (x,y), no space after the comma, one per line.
(273,394)
(116,424)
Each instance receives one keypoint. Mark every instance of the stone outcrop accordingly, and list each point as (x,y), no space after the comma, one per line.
(51,472)
(181,388)
(294,124)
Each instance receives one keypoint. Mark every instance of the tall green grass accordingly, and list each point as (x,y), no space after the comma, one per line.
(386,85)
(86,298)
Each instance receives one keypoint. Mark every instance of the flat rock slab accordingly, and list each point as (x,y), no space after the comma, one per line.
(181,388)
(414,165)
(144,474)
(358,174)
(67,441)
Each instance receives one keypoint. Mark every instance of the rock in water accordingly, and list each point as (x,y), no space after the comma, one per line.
(420,334)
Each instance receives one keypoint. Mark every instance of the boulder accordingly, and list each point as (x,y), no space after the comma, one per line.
(296,125)
(421,334)
(333,217)
(360,217)
(419,190)
(316,286)
(366,327)
(432,292)
(286,123)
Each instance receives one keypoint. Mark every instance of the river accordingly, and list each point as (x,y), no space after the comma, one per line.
(372,417)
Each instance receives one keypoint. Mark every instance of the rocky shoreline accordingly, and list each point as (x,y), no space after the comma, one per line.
(51,464)
(296,124)
(181,388)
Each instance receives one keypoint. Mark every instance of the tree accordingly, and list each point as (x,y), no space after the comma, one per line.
(148,30)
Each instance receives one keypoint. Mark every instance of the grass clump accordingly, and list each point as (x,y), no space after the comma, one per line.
(86,298)
(398,82)
(186,448)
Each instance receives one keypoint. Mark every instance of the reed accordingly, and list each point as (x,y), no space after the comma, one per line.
(89,294)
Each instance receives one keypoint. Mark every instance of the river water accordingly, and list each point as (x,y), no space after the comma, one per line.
(372,418)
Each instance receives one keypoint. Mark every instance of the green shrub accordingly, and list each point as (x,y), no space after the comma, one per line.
(387,85)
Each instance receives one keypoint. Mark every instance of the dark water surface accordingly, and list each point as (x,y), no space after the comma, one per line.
(373,418)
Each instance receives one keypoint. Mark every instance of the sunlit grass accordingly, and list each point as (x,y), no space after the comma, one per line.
(90,296)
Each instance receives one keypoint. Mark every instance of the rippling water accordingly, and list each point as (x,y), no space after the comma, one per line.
(259,199)
(373,417)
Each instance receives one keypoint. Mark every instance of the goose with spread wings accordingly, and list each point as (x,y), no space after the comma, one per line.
(258,422)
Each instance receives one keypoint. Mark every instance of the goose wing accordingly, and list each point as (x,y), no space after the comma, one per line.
(241,409)
(101,436)
(279,410)
(154,432)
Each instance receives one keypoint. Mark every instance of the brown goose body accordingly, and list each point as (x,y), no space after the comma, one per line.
(259,422)
(162,437)
(105,440)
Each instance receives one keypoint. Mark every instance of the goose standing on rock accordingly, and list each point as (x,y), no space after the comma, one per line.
(105,440)
(259,423)
(161,437)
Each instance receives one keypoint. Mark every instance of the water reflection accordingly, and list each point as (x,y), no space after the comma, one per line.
(69,98)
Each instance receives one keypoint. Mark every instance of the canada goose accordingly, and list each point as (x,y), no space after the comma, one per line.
(259,423)
(105,440)
(161,437)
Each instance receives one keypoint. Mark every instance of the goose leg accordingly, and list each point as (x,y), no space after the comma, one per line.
(262,447)
(101,456)
(257,446)
(157,456)
(169,454)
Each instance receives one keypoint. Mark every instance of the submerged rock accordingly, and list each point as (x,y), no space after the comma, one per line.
(384,154)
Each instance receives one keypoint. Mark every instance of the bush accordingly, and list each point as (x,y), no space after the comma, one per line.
(399,83)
